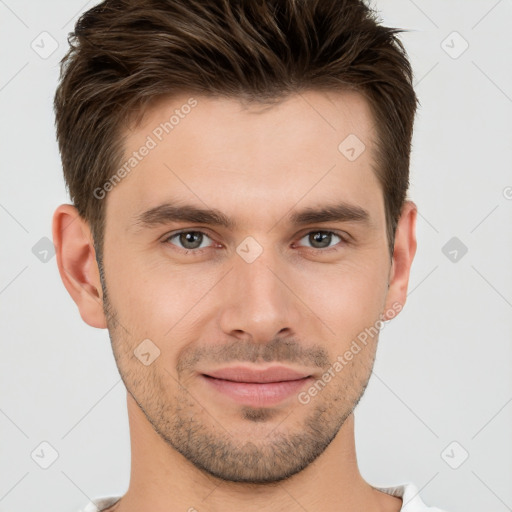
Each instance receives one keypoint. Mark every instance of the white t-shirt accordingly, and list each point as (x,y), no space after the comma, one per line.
(408,492)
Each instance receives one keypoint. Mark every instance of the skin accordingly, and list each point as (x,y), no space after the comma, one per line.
(300,302)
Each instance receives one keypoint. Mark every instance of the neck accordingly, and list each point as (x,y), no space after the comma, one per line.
(163,480)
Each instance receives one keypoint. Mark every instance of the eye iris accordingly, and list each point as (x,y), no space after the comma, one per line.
(321,237)
(188,237)
(318,239)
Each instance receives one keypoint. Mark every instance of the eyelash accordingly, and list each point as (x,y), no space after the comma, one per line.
(344,240)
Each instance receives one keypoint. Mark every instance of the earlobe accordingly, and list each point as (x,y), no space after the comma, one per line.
(405,249)
(76,260)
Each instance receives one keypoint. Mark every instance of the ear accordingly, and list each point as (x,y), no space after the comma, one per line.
(403,255)
(76,259)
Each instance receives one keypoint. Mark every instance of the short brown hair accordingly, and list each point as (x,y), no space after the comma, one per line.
(124,54)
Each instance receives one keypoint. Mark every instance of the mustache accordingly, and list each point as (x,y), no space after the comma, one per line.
(282,350)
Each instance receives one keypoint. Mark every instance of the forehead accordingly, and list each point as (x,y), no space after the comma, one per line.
(229,155)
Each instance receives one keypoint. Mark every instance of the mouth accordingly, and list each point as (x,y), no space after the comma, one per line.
(256,387)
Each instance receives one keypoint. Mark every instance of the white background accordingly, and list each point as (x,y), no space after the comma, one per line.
(443,369)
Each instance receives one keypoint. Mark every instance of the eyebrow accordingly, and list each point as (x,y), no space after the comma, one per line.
(169,212)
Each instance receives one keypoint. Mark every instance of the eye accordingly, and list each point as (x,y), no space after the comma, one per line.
(189,240)
(196,241)
(322,239)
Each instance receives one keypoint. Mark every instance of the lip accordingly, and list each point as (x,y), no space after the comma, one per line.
(257,375)
(257,387)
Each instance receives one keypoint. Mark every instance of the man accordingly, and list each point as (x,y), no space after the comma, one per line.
(238,172)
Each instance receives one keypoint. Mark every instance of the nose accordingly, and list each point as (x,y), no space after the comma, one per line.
(259,299)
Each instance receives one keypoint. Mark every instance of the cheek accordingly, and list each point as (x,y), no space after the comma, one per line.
(143,300)
(347,298)
(156,300)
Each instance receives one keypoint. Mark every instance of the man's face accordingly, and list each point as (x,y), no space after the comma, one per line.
(262,292)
